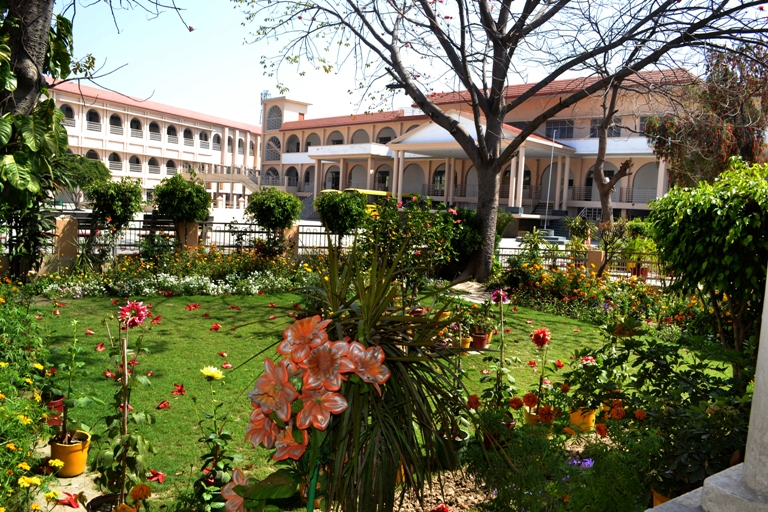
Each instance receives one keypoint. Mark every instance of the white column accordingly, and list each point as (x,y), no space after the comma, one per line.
(512,191)
(342,173)
(520,174)
(370,171)
(450,171)
(756,458)
(558,182)
(317,178)
(661,178)
(224,137)
(566,173)
(400,166)
(245,152)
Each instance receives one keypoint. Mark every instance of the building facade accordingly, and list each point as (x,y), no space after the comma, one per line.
(149,141)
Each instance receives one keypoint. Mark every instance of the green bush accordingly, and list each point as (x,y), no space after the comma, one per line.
(182,200)
(274,210)
(116,202)
(342,213)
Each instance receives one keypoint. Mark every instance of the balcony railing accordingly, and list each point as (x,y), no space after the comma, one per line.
(381,186)
(269,181)
(291,182)
(250,152)
(433,190)
(134,167)
(216,146)
(173,139)
(115,166)
(622,195)
(154,169)
(115,130)
(170,171)
(240,151)
(155,136)
(204,144)
(93,127)
(189,142)
(137,134)
(68,122)
(638,194)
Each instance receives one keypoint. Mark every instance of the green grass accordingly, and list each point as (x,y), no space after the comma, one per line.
(183,343)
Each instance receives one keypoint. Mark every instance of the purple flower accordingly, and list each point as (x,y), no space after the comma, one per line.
(499,296)
(587,463)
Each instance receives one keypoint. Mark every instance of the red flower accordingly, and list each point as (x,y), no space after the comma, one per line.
(507,330)
(56,312)
(100,347)
(369,364)
(532,363)
(133,362)
(133,314)
(215,327)
(546,414)
(319,404)
(618,412)
(156,320)
(516,403)
(192,307)
(325,364)
(302,336)
(442,507)
(485,372)
(601,429)
(529,322)
(235,502)
(541,337)
(263,430)
(235,308)
(287,447)
(530,400)
(272,305)
(130,407)
(226,365)
(115,302)
(164,405)
(640,414)
(297,306)
(473,402)
(70,500)
(89,332)
(577,330)
(588,361)
(272,317)
(179,389)
(150,373)
(223,354)
(273,391)
(261,292)
(565,388)
(514,309)
(168,293)
(156,476)
(206,315)
(108,374)
(559,364)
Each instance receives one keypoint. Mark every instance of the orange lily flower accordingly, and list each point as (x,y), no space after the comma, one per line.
(273,391)
(368,364)
(318,406)
(287,447)
(262,430)
(302,336)
(325,365)
(234,502)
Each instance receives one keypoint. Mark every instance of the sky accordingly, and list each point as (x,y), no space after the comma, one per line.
(209,70)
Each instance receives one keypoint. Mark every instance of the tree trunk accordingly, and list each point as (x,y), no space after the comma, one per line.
(487,211)
(28,23)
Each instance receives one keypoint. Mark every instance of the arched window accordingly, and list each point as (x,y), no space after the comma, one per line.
(411,128)
(202,137)
(69,115)
(385,135)
(335,138)
(92,155)
(154,166)
(313,139)
(272,151)
(271,177)
(136,128)
(154,131)
(216,141)
(115,125)
(293,145)
(360,137)
(134,164)
(438,182)
(240,147)
(93,117)
(250,149)
(170,167)
(229,145)
(115,163)
(173,136)
(274,118)
(189,138)
(293,177)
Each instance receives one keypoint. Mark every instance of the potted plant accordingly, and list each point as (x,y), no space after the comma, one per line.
(184,201)
(71,446)
(482,324)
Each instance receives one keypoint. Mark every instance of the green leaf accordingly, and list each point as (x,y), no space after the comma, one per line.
(6,129)
(33,132)
(278,485)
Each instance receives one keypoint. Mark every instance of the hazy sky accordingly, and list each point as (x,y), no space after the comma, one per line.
(210,70)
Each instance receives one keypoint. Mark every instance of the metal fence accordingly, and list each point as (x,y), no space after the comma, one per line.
(550,258)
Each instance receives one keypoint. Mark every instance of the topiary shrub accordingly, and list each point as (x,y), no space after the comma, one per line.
(341,213)
(182,200)
(275,211)
(115,202)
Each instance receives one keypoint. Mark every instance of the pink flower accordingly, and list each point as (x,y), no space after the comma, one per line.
(399,204)
(319,404)
(235,503)
(272,317)
(485,372)
(303,336)
(227,365)
(108,374)
(156,476)
(133,314)
(498,296)
(588,361)
(369,364)
(100,347)
(89,332)
(273,391)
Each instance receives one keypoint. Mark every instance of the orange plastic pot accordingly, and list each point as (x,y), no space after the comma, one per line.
(531,418)
(585,420)
(659,499)
(465,344)
(74,456)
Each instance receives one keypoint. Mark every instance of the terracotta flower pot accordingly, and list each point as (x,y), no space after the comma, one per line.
(480,341)
(585,420)
(74,456)
(659,498)
(56,406)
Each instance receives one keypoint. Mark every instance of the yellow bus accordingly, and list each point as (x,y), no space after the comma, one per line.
(370,195)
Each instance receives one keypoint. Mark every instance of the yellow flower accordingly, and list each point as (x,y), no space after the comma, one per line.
(55,463)
(27,481)
(38,366)
(51,496)
(11,446)
(35,507)
(28,381)
(24,419)
(38,398)
(23,465)
(3,364)
(2,300)
(2,396)
(212,373)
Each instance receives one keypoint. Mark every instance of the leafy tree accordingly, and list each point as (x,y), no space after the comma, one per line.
(81,173)
(116,202)
(714,238)
(342,213)
(476,48)
(182,200)
(727,115)
(275,211)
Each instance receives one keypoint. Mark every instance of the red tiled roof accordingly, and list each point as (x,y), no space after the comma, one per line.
(572,85)
(104,95)
(352,119)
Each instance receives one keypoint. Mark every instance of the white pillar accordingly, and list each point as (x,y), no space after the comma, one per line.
(512,191)
(558,182)
(661,178)
(393,178)
(245,150)
(400,166)
(370,172)
(450,172)
(756,458)
(566,174)
(224,137)
(520,174)
(317,178)
(342,173)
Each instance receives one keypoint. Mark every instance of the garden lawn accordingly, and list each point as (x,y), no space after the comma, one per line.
(183,343)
